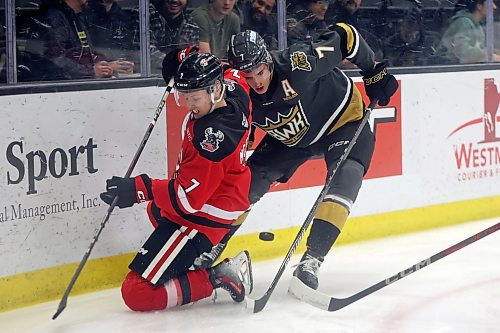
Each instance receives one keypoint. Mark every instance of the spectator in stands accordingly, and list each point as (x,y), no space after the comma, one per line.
(464,41)
(60,45)
(257,16)
(217,24)
(412,45)
(307,22)
(111,29)
(171,27)
(346,11)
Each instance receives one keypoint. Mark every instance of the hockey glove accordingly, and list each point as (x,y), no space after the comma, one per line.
(129,190)
(172,61)
(380,84)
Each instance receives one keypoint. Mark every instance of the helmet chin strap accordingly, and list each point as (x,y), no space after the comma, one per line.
(212,96)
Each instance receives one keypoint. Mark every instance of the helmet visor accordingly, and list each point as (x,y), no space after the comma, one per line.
(193,99)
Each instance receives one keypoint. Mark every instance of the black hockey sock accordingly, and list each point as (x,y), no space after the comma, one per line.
(322,236)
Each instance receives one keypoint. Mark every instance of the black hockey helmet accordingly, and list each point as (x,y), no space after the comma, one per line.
(247,50)
(198,71)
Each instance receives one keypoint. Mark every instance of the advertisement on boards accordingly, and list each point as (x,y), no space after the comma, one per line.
(57,150)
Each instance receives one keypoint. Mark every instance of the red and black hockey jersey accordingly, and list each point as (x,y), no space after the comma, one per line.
(210,187)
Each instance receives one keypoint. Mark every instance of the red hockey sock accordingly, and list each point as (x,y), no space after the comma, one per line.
(141,295)
(200,285)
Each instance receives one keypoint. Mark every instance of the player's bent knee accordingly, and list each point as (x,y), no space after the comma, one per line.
(347,181)
(141,295)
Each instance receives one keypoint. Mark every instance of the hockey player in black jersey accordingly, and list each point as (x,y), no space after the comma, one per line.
(310,108)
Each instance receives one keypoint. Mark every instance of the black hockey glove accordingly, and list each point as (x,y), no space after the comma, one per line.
(129,190)
(380,84)
(172,61)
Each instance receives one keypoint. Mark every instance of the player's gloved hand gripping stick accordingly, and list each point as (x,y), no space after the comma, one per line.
(256,305)
(116,200)
(379,83)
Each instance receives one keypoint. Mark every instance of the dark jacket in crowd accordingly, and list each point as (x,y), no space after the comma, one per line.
(268,29)
(111,31)
(167,34)
(58,46)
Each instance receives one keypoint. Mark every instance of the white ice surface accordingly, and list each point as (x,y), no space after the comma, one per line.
(460,293)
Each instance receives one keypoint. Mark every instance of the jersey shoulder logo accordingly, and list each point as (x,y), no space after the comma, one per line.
(230,84)
(212,140)
(299,60)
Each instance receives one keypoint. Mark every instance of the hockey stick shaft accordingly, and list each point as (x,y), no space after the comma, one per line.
(328,303)
(64,299)
(259,304)
(335,305)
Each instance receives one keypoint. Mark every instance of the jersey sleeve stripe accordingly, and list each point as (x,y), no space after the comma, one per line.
(183,200)
(349,36)
(221,213)
(192,218)
(207,209)
(356,45)
(352,39)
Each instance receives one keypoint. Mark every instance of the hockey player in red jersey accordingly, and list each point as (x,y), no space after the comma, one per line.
(195,208)
(309,108)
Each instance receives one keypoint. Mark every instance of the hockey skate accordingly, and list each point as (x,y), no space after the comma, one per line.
(308,267)
(233,275)
(207,259)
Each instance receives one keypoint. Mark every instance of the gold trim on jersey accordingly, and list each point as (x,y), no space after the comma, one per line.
(351,36)
(353,112)
(352,39)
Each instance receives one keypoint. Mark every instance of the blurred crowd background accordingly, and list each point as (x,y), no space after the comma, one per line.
(54,40)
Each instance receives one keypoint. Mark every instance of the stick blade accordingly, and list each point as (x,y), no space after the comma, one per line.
(256,305)
(308,295)
(250,304)
(60,308)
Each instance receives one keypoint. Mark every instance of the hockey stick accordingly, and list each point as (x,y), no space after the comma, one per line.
(256,305)
(325,302)
(64,300)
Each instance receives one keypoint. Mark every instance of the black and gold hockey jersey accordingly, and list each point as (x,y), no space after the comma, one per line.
(309,96)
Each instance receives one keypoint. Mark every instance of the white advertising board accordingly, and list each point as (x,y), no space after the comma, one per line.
(58,150)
